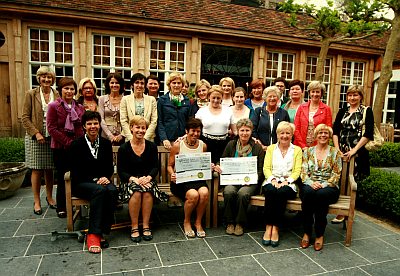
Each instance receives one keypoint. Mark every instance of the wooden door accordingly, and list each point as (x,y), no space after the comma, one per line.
(5,101)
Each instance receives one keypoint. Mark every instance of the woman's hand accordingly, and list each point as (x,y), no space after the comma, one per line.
(103,181)
(145,181)
(217,168)
(167,144)
(349,154)
(40,138)
(212,167)
(173,177)
(316,185)
(117,139)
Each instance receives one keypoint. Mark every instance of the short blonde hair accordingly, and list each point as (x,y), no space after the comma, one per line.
(285,125)
(137,120)
(237,90)
(215,88)
(86,80)
(269,90)
(323,127)
(173,76)
(199,84)
(244,122)
(314,85)
(45,70)
(227,79)
(356,89)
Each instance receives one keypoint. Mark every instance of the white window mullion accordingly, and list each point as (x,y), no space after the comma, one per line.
(52,58)
(112,51)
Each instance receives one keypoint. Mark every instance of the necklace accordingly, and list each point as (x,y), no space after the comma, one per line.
(190,144)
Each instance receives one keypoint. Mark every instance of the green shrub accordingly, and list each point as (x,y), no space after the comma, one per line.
(12,150)
(380,193)
(387,156)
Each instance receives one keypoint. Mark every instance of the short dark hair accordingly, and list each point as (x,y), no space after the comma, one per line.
(296,82)
(90,115)
(120,81)
(138,76)
(280,79)
(67,81)
(193,123)
(152,77)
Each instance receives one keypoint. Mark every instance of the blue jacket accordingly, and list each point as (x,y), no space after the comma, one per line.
(171,119)
(262,129)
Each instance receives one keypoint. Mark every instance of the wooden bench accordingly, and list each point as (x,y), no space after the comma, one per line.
(387,132)
(162,178)
(344,206)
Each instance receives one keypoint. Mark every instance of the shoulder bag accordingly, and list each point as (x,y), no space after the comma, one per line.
(375,144)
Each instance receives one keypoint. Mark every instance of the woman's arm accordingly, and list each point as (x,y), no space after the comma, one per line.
(123,168)
(103,124)
(296,170)
(336,166)
(124,118)
(298,139)
(171,161)
(305,177)
(26,117)
(268,164)
(52,126)
(151,130)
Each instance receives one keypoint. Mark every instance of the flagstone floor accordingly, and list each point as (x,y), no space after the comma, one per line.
(26,247)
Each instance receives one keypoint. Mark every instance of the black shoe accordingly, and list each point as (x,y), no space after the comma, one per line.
(37,212)
(61,214)
(138,238)
(147,237)
(52,206)
(266,242)
(274,243)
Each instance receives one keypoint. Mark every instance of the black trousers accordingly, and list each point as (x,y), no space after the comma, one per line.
(61,164)
(275,203)
(216,147)
(315,205)
(102,204)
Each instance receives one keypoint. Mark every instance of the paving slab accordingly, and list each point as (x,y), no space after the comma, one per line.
(382,250)
(72,263)
(237,266)
(130,258)
(19,213)
(14,247)
(8,228)
(21,266)
(229,246)
(175,270)
(42,244)
(42,226)
(389,268)
(194,250)
(355,271)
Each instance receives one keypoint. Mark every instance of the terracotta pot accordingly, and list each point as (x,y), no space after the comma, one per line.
(11,177)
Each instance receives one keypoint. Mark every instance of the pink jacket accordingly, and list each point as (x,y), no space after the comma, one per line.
(55,120)
(322,116)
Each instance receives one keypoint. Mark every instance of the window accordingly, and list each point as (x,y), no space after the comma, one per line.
(167,57)
(220,61)
(311,71)
(53,49)
(389,108)
(279,65)
(111,54)
(352,73)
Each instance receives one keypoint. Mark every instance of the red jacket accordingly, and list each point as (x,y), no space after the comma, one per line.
(322,116)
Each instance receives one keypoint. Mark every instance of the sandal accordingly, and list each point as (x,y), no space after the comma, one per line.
(190,234)
(138,238)
(147,237)
(201,234)
(93,243)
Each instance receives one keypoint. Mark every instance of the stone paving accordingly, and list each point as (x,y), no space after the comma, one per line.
(26,247)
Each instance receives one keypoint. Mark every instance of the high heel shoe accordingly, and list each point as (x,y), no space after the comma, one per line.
(52,206)
(274,243)
(37,212)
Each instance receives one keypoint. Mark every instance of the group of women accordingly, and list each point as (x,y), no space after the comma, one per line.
(78,135)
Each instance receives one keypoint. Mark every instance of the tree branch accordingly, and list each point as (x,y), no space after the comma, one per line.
(345,38)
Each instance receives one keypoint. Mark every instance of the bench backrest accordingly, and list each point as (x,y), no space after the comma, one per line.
(163,155)
(347,173)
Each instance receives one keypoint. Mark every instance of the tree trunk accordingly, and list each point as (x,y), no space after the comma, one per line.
(387,65)
(323,52)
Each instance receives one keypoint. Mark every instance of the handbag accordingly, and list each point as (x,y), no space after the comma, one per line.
(377,142)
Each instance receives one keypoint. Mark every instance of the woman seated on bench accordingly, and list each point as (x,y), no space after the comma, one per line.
(282,168)
(320,173)
(91,171)
(138,168)
(194,193)
(237,198)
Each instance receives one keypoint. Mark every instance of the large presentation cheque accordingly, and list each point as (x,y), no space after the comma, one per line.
(238,171)
(192,167)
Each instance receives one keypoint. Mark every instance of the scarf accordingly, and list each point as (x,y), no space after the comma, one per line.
(94,147)
(243,151)
(202,103)
(72,116)
(176,100)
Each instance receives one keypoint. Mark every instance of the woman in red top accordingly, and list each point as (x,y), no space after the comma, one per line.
(310,115)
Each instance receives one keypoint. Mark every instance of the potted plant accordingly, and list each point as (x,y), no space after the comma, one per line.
(12,166)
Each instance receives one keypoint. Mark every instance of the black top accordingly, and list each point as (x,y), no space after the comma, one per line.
(129,164)
(84,167)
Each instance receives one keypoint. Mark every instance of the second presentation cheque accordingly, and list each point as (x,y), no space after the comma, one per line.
(238,171)
(193,167)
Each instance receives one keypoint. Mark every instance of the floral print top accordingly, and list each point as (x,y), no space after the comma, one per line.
(326,171)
